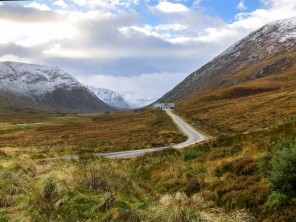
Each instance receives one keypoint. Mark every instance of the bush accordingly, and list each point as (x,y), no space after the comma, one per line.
(276,200)
(283,169)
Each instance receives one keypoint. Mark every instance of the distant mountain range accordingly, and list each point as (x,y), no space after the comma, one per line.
(124,100)
(47,88)
(110,97)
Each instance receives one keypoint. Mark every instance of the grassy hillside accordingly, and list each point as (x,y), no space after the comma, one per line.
(248,106)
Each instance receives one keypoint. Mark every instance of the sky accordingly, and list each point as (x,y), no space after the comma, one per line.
(140,46)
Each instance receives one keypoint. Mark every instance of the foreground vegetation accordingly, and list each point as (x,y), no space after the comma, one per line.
(241,177)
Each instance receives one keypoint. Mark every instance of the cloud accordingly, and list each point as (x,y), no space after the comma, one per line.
(111,44)
(38,6)
(241,5)
(61,3)
(153,84)
(15,13)
(169,7)
(106,4)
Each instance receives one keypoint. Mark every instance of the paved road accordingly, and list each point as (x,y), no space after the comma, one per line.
(189,131)
(193,137)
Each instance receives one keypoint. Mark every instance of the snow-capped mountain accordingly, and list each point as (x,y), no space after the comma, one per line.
(123,100)
(110,97)
(34,80)
(47,87)
(260,52)
(138,99)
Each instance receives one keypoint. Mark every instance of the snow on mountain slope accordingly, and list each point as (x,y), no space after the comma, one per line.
(47,87)
(139,99)
(123,100)
(33,80)
(110,97)
(270,41)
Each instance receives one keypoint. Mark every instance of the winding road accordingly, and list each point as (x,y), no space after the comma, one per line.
(193,137)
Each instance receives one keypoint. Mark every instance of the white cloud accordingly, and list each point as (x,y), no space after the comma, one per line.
(169,7)
(153,84)
(38,6)
(104,39)
(106,4)
(61,3)
(15,58)
(241,5)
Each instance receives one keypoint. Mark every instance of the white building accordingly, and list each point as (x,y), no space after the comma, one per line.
(164,106)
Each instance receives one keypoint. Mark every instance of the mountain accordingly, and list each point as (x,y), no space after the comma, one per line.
(47,88)
(138,99)
(258,55)
(110,97)
(250,86)
(123,100)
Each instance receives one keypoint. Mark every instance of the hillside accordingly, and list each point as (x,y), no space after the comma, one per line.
(250,86)
(264,52)
(48,88)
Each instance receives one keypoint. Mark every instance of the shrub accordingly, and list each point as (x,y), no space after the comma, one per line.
(276,199)
(283,168)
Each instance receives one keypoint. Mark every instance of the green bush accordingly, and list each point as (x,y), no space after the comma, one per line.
(283,168)
(276,199)
(280,169)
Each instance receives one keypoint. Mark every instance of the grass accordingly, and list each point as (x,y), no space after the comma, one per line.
(87,133)
(216,181)
(249,106)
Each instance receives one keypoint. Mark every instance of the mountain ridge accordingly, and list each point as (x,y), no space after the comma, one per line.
(47,88)
(267,41)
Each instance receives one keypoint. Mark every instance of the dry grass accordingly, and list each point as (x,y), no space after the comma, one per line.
(88,133)
(254,105)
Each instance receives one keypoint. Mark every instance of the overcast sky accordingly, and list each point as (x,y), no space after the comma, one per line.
(130,45)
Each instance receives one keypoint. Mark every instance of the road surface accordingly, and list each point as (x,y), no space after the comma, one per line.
(193,137)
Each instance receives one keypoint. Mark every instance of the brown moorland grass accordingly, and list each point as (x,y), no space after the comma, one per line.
(241,103)
(215,181)
(250,106)
(87,133)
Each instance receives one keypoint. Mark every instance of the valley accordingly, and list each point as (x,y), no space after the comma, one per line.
(75,134)
(227,153)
